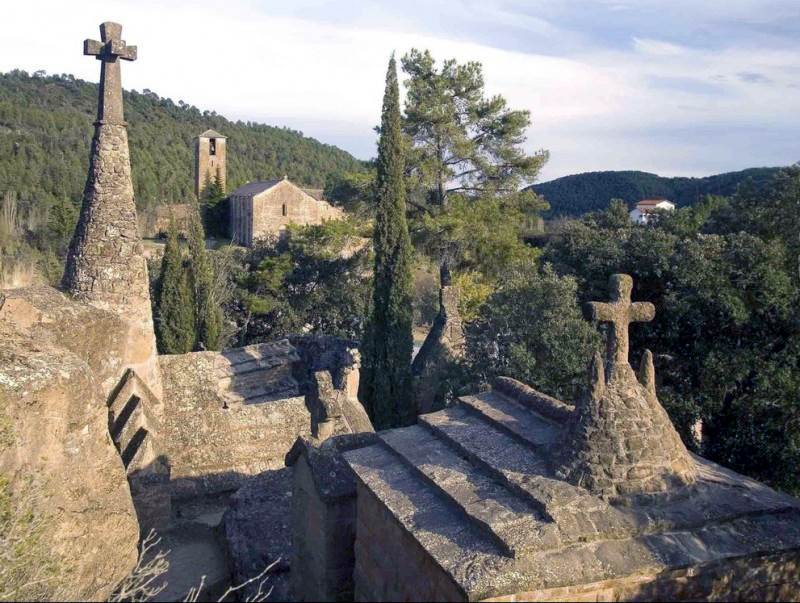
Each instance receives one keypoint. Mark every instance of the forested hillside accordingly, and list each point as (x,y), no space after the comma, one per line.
(46,129)
(581,193)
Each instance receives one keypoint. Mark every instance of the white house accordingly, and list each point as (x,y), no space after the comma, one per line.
(646,209)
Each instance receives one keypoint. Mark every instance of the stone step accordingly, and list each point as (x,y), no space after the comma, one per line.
(268,353)
(255,380)
(502,514)
(577,515)
(253,365)
(521,422)
(132,425)
(266,392)
(432,520)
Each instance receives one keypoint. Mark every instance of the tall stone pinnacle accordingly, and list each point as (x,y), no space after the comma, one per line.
(621,441)
(106,266)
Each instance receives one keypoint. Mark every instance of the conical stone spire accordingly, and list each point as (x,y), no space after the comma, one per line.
(106,266)
(621,440)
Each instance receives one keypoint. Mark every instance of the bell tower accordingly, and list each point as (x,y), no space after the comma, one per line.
(209,160)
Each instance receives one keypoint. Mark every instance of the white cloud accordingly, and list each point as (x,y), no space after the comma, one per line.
(657,47)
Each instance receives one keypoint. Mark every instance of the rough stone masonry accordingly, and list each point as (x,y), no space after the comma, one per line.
(514,496)
(105,265)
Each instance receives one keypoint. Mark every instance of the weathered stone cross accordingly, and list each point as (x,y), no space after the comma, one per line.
(620,313)
(112,47)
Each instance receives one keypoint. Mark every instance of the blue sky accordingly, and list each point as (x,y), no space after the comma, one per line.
(676,88)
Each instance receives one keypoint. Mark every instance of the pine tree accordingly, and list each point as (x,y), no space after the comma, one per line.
(175,314)
(389,343)
(208,313)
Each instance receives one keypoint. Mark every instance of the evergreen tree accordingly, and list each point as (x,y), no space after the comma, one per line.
(208,312)
(175,314)
(389,340)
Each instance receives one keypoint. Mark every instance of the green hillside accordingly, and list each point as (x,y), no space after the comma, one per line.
(46,130)
(581,193)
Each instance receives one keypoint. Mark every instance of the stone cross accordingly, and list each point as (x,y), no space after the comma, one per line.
(620,313)
(112,48)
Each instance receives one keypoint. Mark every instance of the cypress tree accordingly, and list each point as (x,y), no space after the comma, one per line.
(388,343)
(208,313)
(175,315)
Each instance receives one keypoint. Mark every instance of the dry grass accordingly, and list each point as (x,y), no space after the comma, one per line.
(146,581)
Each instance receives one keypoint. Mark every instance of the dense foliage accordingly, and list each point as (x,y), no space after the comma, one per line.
(578,194)
(465,162)
(45,134)
(724,278)
(208,313)
(531,328)
(46,130)
(314,280)
(174,309)
(388,344)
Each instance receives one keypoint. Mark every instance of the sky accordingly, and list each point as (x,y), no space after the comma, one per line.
(678,87)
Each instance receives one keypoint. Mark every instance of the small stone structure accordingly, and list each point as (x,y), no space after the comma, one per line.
(105,265)
(512,495)
(444,344)
(269,517)
(261,210)
(323,517)
(210,160)
(621,440)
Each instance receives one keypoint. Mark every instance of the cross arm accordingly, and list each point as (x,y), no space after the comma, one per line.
(112,48)
(120,49)
(601,312)
(642,312)
(92,47)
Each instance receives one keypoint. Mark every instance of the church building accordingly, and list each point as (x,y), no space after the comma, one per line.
(260,210)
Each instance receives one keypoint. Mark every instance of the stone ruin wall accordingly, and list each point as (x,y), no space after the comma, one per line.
(765,578)
(233,414)
(213,444)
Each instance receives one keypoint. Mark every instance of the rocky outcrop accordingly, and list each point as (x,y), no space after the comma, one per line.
(57,358)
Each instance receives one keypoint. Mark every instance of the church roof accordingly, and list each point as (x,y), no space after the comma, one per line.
(254,188)
(211,134)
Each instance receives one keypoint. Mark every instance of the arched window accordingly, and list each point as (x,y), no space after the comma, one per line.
(212,146)
(283,209)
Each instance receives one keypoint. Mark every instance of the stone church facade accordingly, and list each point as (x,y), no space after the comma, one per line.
(260,210)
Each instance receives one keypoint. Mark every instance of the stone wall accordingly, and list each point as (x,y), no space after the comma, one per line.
(229,415)
(287,204)
(389,564)
(268,213)
(154,222)
(324,518)
(58,361)
(767,578)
